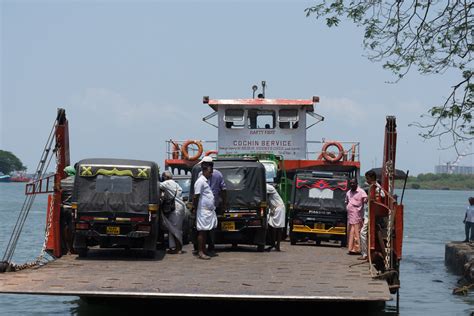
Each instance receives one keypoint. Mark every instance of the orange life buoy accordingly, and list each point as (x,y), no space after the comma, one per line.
(185,152)
(175,151)
(329,156)
(210,152)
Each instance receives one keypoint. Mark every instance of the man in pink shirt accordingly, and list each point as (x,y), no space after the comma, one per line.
(355,199)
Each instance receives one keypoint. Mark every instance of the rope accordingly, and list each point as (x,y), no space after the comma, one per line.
(463,290)
(27,203)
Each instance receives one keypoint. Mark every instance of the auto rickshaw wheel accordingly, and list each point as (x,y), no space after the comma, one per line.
(293,239)
(344,241)
(150,254)
(82,252)
(260,248)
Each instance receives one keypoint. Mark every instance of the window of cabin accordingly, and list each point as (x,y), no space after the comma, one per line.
(288,119)
(234,118)
(261,119)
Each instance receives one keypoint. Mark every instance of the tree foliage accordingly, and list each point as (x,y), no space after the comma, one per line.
(9,162)
(431,35)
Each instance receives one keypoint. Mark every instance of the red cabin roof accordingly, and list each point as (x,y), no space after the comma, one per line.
(214,103)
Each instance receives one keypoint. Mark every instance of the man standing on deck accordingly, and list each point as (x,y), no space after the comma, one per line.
(173,211)
(276,216)
(355,199)
(203,203)
(65,218)
(371,179)
(469,221)
(217,184)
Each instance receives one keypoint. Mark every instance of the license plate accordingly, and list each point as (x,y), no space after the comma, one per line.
(113,230)
(228,226)
(319,226)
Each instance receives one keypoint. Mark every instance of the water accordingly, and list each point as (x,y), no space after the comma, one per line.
(432,218)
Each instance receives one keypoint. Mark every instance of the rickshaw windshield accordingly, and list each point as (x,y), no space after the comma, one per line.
(311,193)
(245,186)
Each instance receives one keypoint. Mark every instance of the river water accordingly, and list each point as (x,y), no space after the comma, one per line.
(432,218)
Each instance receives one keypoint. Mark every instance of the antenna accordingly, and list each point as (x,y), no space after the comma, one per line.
(264,84)
(254,88)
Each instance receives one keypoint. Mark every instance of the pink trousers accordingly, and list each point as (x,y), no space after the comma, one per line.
(353,237)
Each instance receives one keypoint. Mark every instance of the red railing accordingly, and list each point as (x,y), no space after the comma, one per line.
(43,185)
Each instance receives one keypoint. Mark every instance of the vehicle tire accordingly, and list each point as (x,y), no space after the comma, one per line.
(293,239)
(150,254)
(344,241)
(260,248)
(318,242)
(82,252)
(284,233)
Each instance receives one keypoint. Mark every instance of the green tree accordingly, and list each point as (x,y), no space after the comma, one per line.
(9,162)
(432,35)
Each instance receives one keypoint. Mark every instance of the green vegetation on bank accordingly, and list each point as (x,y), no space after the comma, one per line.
(431,181)
(9,162)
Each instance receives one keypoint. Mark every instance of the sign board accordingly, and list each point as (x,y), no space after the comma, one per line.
(253,129)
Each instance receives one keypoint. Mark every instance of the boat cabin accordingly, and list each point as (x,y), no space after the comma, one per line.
(254,126)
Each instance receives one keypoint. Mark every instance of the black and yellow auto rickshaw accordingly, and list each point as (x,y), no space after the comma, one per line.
(115,204)
(317,209)
(245,219)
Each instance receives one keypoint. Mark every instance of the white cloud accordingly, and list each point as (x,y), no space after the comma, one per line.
(343,109)
(116,109)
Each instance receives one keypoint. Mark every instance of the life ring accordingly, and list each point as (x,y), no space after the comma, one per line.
(185,153)
(320,157)
(329,156)
(175,151)
(210,152)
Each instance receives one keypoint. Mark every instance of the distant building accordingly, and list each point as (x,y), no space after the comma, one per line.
(447,168)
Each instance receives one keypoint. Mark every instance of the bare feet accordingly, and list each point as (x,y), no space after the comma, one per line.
(203,256)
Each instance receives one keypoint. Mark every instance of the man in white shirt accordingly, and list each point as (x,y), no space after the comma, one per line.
(276,216)
(203,203)
(173,216)
(469,221)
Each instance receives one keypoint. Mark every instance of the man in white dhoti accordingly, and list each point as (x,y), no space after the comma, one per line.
(276,216)
(203,204)
(173,211)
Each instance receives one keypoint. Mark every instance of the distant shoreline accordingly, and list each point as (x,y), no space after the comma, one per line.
(445,182)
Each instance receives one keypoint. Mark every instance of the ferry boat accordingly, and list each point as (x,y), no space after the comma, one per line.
(259,127)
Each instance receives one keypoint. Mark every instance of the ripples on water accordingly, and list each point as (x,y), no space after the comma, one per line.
(432,218)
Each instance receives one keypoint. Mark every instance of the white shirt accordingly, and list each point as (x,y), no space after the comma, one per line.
(171,189)
(206,200)
(470,214)
(276,216)
(274,199)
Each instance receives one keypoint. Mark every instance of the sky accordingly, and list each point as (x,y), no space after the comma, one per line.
(132,74)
